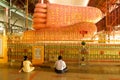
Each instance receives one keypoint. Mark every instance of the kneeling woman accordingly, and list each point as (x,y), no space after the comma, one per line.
(26,65)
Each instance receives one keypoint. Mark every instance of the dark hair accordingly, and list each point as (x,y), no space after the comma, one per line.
(59,57)
(25,57)
(83,43)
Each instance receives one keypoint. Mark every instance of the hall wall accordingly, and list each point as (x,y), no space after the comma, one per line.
(71,52)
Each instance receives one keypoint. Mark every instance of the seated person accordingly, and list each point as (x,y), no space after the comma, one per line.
(60,65)
(26,65)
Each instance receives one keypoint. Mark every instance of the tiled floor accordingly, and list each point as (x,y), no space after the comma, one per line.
(86,72)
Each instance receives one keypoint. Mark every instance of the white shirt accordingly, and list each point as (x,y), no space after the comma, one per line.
(27,66)
(60,65)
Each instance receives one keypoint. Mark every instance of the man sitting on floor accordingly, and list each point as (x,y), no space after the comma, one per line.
(60,65)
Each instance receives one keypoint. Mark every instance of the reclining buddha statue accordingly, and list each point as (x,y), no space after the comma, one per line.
(61,20)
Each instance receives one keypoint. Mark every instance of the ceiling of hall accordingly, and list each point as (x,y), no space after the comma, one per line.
(101,4)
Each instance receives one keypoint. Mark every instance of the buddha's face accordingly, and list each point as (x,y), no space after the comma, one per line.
(70,2)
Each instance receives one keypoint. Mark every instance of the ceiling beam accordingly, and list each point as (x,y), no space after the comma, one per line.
(13,9)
